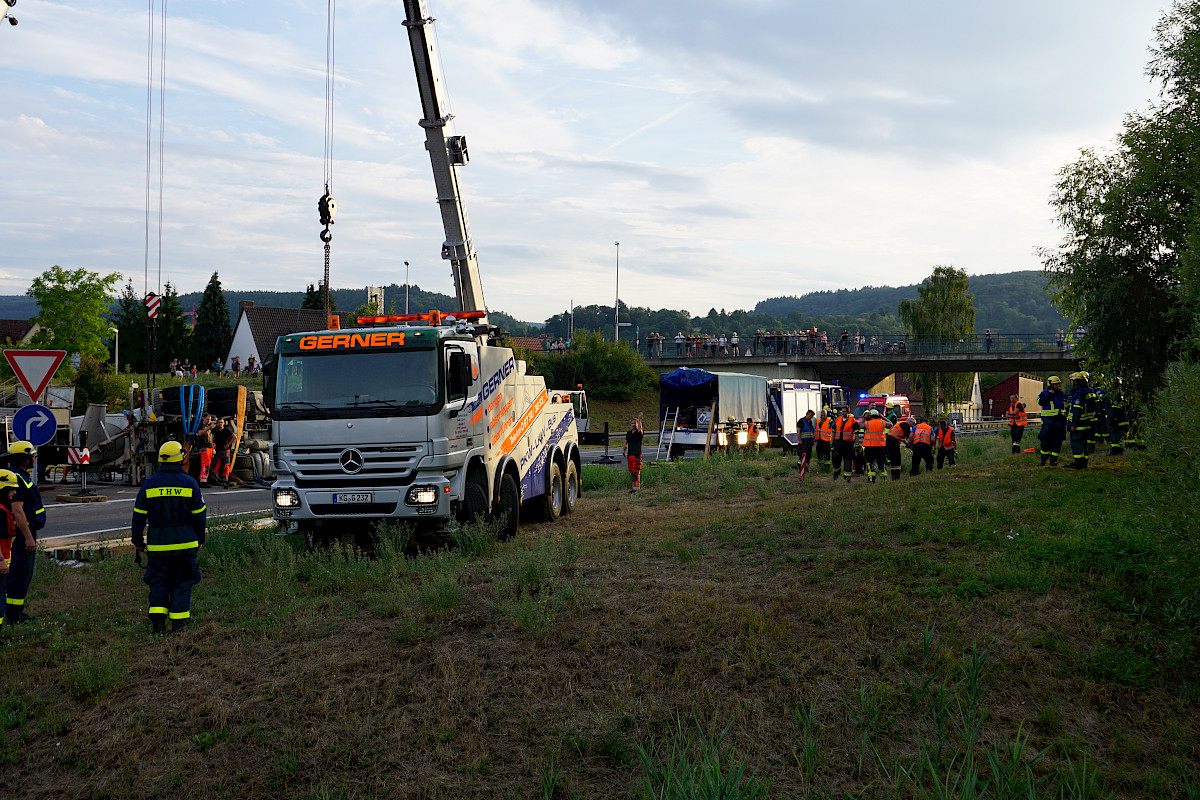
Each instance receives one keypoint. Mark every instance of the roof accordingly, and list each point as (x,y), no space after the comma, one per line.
(268,323)
(528,342)
(14,330)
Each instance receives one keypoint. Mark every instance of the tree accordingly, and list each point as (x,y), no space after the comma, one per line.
(944,312)
(1128,269)
(174,336)
(213,335)
(72,310)
(314,299)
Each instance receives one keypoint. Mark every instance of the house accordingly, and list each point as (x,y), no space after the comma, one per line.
(970,405)
(1026,387)
(259,326)
(17,331)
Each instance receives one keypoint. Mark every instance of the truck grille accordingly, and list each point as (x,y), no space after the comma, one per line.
(362,509)
(382,465)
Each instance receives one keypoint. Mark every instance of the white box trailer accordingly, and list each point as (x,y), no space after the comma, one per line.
(787,402)
(686,406)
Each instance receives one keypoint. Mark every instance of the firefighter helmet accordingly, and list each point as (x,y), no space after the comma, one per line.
(170,453)
(1054,380)
(21,448)
(8,479)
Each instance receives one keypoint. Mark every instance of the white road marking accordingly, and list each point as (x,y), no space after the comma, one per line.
(208,499)
(127,527)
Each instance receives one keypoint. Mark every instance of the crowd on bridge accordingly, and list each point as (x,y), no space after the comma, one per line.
(807,342)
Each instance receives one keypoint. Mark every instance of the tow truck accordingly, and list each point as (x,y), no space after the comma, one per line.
(421,418)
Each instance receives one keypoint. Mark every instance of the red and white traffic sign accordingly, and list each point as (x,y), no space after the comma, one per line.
(79,456)
(152,303)
(34,368)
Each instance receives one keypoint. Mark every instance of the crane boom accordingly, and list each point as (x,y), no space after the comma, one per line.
(447,153)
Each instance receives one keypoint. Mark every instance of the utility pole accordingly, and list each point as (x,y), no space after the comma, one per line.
(617,302)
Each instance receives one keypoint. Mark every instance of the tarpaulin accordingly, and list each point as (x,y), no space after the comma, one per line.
(737,394)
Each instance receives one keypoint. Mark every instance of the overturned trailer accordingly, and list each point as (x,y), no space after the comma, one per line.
(693,402)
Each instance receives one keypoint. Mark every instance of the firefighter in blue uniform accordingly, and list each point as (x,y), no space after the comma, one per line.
(170,511)
(1083,418)
(1118,419)
(1054,421)
(30,517)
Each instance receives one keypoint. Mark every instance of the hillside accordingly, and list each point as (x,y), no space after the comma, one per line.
(1014,302)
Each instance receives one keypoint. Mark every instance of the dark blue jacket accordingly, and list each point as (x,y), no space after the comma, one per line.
(1054,406)
(171,506)
(31,499)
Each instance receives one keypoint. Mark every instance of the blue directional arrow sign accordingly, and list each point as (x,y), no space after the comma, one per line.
(34,424)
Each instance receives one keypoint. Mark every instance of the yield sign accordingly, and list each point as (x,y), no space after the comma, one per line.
(34,368)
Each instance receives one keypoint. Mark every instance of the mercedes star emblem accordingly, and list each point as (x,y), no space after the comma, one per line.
(351,460)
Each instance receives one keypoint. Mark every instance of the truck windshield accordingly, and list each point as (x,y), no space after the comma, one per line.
(380,384)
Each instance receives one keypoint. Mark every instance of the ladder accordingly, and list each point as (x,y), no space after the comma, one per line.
(668,425)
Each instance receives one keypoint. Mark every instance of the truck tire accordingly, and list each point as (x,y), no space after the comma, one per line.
(507,508)
(474,505)
(243,462)
(570,488)
(553,500)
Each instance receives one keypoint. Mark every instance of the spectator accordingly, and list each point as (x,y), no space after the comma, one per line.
(679,344)
(733,340)
(236,366)
(219,367)
(252,364)
(987,339)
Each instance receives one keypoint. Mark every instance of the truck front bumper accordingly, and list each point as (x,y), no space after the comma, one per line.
(426,498)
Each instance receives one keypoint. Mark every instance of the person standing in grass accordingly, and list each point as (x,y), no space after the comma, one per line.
(8,529)
(943,437)
(874,445)
(843,444)
(168,525)
(632,450)
(30,517)
(921,441)
(897,434)
(806,434)
(824,435)
(1054,421)
(1016,422)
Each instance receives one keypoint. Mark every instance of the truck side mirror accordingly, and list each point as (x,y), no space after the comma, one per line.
(268,378)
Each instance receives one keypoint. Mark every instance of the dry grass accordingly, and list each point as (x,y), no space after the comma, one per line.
(836,640)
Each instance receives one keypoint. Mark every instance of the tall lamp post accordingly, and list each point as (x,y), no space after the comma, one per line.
(617,301)
(405,288)
(116,349)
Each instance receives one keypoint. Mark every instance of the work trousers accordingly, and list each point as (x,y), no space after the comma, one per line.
(1051,440)
(171,577)
(945,454)
(20,576)
(222,463)
(823,449)
(1016,433)
(206,459)
(876,460)
(921,453)
(804,449)
(843,459)
(1079,447)
(893,456)
(1116,436)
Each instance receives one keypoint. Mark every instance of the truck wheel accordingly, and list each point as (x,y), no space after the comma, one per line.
(570,488)
(507,508)
(475,504)
(675,453)
(553,501)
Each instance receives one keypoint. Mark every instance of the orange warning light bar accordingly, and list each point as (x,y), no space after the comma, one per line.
(434,317)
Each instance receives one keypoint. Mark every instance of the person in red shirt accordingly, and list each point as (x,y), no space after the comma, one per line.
(633,449)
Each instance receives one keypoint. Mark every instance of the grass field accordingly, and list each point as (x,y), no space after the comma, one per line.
(991,631)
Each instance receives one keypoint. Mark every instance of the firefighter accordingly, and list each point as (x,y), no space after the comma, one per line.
(875,445)
(1082,418)
(806,434)
(897,434)
(825,435)
(891,417)
(843,444)
(1118,421)
(170,510)
(8,528)
(943,437)
(1017,419)
(30,517)
(921,441)
(1054,421)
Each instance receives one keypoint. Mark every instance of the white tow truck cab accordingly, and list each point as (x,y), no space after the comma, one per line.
(414,422)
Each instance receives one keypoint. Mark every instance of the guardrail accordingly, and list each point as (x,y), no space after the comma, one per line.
(788,344)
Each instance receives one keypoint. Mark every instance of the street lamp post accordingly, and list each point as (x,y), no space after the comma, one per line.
(405,288)
(617,301)
(116,349)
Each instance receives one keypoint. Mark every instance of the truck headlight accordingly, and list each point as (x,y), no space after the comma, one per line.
(286,498)
(422,495)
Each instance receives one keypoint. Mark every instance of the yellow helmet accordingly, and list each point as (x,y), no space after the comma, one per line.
(1079,376)
(170,453)
(1054,380)
(21,449)
(8,479)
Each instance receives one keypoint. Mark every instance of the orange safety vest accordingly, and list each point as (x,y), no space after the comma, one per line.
(845,429)
(751,434)
(825,430)
(922,434)
(945,437)
(897,432)
(875,434)
(1016,414)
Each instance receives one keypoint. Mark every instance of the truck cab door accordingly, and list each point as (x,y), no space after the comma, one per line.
(462,393)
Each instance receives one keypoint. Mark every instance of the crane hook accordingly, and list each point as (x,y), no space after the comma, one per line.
(326,235)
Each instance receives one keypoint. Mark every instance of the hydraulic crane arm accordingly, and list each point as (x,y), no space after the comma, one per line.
(447,153)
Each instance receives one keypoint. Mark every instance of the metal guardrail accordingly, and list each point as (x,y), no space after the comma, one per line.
(791,345)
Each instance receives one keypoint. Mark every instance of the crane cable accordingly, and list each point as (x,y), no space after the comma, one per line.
(326,205)
(151,40)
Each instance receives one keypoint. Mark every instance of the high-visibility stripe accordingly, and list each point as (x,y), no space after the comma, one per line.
(137,510)
(13,601)
(170,491)
(159,548)
(39,511)
(180,614)
(158,609)
(198,510)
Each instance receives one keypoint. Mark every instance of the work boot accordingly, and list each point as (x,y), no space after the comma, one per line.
(158,625)
(179,624)
(1054,461)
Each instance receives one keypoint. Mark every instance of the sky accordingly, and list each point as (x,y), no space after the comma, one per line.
(737,151)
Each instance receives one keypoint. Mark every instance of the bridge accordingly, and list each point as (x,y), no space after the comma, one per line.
(785,357)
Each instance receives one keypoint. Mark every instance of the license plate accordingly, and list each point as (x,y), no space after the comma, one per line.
(354,497)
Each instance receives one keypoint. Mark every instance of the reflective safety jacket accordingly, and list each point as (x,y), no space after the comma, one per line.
(922,433)
(1054,405)
(899,431)
(170,509)
(1016,414)
(31,501)
(825,430)
(806,428)
(876,434)
(945,438)
(845,427)
(1083,408)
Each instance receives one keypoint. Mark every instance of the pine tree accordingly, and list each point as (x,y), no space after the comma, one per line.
(213,335)
(314,298)
(174,336)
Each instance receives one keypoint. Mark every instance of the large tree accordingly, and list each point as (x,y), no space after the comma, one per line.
(212,335)
(943,314)
(72,309)
(1128,269)
(174,335)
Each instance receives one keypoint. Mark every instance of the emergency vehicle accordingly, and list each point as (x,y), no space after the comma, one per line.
(425,418)
(880,402)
